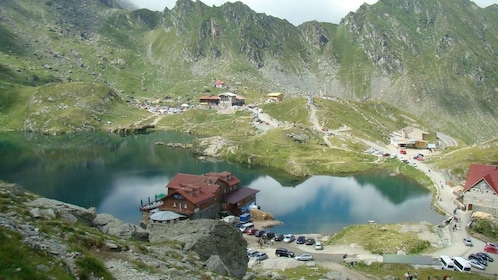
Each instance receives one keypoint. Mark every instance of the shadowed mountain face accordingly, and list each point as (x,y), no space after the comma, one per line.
(434,59)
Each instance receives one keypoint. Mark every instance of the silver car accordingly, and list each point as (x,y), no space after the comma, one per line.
(304,257)
(474,263)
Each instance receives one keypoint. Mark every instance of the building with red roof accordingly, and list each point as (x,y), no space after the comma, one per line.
(480,192)
(204,196)
(209,100)
(220,84)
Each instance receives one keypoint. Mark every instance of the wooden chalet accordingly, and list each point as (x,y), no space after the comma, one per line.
(209,100)
(204,196)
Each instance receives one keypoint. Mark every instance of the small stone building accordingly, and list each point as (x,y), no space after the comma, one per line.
(480,192)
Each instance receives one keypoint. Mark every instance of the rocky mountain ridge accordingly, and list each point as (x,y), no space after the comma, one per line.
(434,59)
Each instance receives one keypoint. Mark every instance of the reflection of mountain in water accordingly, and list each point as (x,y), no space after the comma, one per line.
(392,187)
(113,173)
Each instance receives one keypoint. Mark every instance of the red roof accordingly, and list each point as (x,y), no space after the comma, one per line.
(209,97)
(479,172)
(219,82)
(195,188)
(239,195)
(225,176)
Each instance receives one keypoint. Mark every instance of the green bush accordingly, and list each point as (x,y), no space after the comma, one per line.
(91,267)
(485,228)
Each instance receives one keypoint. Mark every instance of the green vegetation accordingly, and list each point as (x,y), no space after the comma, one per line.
(90,267)
(291,111)
(381,239)
(18,261)
(459,159)
(304,272)
(399,270)
(485,229)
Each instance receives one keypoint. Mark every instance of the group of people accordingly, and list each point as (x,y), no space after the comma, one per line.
(263,241)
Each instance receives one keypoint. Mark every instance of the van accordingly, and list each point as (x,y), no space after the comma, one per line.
(446,263)
(246,226)
(461,264)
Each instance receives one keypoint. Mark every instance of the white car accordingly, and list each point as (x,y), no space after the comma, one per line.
(468,242)
(476,264)
(318,245)
(304,257)
(289,238)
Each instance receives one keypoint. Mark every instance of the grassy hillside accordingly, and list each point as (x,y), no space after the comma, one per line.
(432,60)
(458,160)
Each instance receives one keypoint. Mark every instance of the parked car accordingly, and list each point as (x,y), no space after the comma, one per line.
(279,237)
(251,252)
(485,256)
(467,241)
(259,233)
(260,256)
(476,264)
(251,231)
(491,248)
(478,258)
(309,241)
(289,238)
(318,245)
(304,257)
(283,252)
(300,239)
(268,235)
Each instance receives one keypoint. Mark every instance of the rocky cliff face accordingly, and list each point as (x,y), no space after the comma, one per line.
(70,236)
(217,242)
(435,59)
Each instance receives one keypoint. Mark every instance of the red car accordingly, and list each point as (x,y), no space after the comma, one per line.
(251,231)
(491,248)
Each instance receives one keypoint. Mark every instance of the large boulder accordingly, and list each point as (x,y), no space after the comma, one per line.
(109,224)
(62,209)
(207,238)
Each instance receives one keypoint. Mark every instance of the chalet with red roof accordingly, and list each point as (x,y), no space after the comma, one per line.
(204,196)
(209,100)
(480,192)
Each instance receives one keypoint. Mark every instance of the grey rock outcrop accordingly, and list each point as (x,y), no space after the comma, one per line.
(207,238)
(216,265)
(44,208)
(81,214)
(109,224)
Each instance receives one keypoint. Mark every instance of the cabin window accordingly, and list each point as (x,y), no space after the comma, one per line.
(185,206)
(174,204)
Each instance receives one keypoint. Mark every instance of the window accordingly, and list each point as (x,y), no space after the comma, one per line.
(174,204)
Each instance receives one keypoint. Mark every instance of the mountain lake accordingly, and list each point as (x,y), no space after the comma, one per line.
(114,173)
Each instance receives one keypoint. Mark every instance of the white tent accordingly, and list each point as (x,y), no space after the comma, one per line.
(165,216)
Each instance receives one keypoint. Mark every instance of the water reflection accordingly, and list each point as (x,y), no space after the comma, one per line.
(114,173)
(326,204)
(131,189)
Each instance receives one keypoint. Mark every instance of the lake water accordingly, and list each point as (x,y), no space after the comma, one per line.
(114,173)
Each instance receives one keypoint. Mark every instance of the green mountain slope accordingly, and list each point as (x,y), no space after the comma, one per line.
(434,59)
